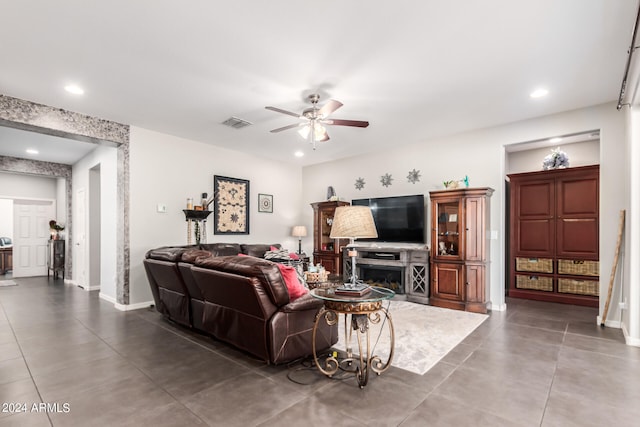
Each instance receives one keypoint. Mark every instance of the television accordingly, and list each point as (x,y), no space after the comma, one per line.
(398,219)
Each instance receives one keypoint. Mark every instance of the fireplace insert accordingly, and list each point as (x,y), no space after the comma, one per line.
(390,277)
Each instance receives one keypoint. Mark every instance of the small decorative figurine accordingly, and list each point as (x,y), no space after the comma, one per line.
(443,248)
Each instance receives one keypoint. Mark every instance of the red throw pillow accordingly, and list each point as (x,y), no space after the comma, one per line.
(273,248)
(290,276)
(293,256)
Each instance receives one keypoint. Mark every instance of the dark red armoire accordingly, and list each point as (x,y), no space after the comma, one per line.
(553,251)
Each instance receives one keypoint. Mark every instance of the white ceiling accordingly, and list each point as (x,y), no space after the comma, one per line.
(414,70)
(16,142)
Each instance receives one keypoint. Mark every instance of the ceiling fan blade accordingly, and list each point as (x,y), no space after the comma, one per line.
(280,110)
(288,127)
(342,122)
(328,108)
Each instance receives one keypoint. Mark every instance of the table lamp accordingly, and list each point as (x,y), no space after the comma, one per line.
(353,222)
(299,231)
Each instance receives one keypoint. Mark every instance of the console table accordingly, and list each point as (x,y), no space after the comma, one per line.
(196,225)
(55,258)
(6,260)
(358,313)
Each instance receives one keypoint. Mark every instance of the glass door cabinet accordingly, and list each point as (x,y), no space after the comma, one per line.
(460,249)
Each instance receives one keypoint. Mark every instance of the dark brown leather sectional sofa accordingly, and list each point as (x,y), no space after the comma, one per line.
(241,300)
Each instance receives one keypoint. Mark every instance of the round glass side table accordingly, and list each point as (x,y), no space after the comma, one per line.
(358,312)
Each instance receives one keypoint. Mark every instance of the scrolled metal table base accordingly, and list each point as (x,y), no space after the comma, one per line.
(358,317)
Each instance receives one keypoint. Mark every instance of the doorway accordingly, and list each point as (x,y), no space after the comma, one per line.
(552,219)
(94,225)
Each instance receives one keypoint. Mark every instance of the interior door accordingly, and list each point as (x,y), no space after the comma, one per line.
(31,233)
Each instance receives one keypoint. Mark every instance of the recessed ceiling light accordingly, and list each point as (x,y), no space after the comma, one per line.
(556,139)
(298,154)
(32,151)
(74,89)
(539,93)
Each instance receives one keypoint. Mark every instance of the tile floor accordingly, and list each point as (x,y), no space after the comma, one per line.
(536,364)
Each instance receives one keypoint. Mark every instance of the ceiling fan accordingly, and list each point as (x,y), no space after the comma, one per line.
(315,118)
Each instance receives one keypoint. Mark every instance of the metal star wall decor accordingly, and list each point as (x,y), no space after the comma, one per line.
(386,179)
(414,176)
(359,183)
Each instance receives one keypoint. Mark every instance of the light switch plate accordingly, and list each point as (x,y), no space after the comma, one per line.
(161,208)
(493,234)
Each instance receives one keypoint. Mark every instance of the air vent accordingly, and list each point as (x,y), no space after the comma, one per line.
(236,123)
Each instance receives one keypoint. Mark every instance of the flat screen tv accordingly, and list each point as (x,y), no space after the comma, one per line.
(398,219)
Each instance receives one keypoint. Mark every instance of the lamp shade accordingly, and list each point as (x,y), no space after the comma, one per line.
(353,222)
(299,231)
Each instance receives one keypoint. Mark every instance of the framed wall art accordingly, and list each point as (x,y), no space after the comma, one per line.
(265,203)
(231,205)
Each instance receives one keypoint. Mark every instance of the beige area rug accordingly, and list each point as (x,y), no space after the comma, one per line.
(423,334)
(8,283)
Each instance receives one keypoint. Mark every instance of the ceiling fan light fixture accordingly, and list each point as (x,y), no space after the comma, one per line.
(313,129)
(322,137)
(319,132)
(304,131)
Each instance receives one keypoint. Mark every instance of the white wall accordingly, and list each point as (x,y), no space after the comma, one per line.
(167,170)
(480,154)
(106,157)
(631,292)
(580,154)
(17,186)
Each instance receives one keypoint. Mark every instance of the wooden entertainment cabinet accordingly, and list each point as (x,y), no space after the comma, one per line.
(460,248)
(327,251)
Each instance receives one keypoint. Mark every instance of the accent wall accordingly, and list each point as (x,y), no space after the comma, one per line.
(166,170)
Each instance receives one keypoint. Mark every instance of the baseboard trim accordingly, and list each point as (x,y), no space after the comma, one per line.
(86,288)
(498,307)
(137,306)
(629,340)
(125,307)
(609,323)
(107,298)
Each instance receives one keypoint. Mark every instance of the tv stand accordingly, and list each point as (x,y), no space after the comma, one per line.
(394,256)
(402,267)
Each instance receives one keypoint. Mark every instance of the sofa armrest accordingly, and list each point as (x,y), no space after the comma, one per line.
(305,302)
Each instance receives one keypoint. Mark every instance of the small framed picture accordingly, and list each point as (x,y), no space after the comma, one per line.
(265,203)
(453,217)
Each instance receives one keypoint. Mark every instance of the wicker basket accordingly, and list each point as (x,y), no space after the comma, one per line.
(315,277)
(534,265)
(580,287)
(578,267)
(537,283)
